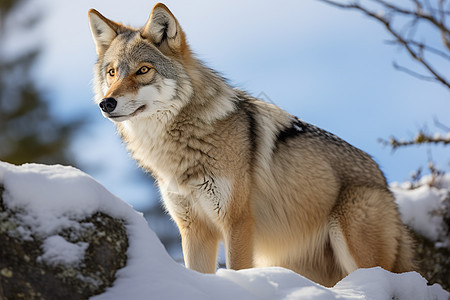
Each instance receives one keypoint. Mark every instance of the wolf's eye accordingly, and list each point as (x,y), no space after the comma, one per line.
(112,72)
(143,70)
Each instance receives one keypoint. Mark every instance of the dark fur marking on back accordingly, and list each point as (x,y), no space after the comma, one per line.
(296,128)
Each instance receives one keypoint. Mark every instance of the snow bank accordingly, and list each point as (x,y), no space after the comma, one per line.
(420,207)
(50,195)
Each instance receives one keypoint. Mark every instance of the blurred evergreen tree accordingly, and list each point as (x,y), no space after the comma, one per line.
(28,130)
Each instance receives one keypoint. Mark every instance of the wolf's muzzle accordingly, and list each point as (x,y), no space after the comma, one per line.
(108,104)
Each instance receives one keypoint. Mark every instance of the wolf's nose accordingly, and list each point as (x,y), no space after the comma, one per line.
(108,104)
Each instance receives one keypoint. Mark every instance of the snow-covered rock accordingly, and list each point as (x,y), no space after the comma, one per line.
(423,208)
(50,198)
(47,252)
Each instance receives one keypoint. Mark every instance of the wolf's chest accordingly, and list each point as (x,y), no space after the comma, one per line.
(183,169)
(208,198)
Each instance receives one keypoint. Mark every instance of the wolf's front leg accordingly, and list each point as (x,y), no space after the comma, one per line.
(199,243)
(239,243)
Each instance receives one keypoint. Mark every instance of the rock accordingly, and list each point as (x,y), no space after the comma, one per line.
(433,262)
(27,272)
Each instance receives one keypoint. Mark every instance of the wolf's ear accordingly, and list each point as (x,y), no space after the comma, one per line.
(163,30)
(103,30)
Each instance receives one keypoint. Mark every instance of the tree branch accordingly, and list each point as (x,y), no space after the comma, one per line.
(421,138)
(406,43)
(412,73)
(438,124)
(424,47)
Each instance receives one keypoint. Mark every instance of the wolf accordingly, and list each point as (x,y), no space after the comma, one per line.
(276,190)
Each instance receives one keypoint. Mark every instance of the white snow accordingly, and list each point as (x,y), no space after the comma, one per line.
(420,207)
(57,250)
(54,197)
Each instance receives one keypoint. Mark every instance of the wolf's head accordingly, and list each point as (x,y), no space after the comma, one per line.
(140,72)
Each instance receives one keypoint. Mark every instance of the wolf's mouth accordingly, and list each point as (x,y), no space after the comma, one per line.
(124,117)
(140,109)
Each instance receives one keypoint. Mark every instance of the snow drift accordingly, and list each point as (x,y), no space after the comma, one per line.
(49,195)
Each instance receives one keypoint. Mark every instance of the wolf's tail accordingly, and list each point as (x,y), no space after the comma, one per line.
(405,254)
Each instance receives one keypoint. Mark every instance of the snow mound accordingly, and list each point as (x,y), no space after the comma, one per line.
(422,207)
(50,195)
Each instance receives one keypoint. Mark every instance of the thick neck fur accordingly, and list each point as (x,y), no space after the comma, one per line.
(157,142)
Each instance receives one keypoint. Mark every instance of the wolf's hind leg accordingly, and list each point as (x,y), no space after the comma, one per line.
(366,227)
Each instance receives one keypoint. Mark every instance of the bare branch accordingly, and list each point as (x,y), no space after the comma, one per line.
(439,124)
(421,138)
(397,9)
(413,73)
(420,13)
(430,49)
(418,5)
(406,43)
(424,47)
(340,5)
(445,35)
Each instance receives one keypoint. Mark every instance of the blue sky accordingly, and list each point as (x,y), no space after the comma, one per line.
(330,67)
